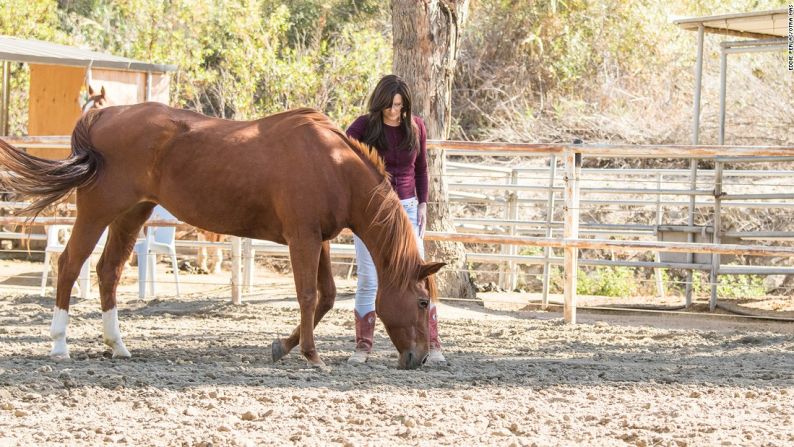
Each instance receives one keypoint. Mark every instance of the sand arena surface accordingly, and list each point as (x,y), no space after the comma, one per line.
(200,375)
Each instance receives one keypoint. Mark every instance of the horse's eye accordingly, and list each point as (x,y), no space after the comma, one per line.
(424,303)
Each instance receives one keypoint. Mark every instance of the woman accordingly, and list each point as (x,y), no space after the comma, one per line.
(400,139)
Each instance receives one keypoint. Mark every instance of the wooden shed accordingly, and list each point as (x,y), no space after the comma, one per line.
(59,80)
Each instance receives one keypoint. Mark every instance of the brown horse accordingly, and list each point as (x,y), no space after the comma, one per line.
(94,100)
(293,178)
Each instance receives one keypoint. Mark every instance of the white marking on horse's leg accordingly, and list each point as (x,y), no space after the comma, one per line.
(202,259)
(112,334)
(60,321)
(218,261)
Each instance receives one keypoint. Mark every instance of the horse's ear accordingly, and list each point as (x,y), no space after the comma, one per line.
(91,90)
(430,268)
(102,91)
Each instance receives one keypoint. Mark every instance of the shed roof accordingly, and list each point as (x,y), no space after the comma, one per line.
(757,24)
(40,52)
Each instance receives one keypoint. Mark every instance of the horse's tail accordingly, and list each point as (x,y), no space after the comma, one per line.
(47,181)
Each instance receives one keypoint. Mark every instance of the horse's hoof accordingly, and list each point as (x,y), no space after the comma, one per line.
(59,356)
(317,364)
(277,350)
(121,353)
(119,350)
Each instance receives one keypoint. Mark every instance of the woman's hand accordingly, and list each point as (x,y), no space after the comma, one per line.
(421,218)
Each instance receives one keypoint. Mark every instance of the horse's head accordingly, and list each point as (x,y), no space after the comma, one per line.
(404,312)
(94,100)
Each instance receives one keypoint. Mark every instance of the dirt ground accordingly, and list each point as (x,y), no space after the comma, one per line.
(200,375)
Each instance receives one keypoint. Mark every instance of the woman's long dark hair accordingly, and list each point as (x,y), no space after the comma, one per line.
(380,100)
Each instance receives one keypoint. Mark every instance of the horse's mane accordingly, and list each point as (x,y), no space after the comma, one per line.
(432,287)
(397,239)
(370,154)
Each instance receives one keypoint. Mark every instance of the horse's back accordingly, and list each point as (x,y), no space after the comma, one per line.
(150,123)
(230,176)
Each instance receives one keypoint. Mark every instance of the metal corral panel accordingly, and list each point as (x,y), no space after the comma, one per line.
(670,234)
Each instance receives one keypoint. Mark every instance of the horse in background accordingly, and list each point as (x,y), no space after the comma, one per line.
(209,259)
(95,100)
(293,178)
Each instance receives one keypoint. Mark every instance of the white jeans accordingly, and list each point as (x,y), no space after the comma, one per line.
(367,275)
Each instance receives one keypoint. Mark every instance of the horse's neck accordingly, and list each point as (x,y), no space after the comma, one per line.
(384,238)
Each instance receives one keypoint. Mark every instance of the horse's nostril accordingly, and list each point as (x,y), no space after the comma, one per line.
(424,359)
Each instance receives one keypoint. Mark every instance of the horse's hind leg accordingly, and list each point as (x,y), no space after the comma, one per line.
(326,289)
(85,234)
(304,251)
(121,240)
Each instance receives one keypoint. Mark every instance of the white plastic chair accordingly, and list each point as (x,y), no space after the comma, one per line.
(54,246)
(158,241)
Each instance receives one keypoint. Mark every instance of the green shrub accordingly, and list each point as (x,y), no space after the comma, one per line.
(730,286)
(606,281)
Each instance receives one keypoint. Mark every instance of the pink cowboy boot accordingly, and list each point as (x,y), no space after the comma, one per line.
(365,331)
(434,356)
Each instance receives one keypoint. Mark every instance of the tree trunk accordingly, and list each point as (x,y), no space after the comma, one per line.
(426,37)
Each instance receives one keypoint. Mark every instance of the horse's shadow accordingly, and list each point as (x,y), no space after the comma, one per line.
(25,279)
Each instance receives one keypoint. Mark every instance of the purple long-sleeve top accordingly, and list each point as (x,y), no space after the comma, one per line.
(408,169)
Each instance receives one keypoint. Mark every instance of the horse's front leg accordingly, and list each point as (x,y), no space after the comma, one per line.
(327,295)
(304,254)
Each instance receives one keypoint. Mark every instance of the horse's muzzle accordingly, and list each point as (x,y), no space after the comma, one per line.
(411,360)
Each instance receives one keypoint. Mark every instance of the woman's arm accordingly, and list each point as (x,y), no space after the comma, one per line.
(421,176)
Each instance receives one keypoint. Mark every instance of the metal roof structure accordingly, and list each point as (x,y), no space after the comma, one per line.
(757,25)
(40,52)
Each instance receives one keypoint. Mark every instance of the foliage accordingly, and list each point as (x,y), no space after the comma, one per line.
(527,70)
(604,70)
(730,286)
(237,59)
(606,281)
(316,20)
(30,19)
(26,19)
(531,250)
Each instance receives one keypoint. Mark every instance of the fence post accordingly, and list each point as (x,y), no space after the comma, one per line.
(573,164)
(247,247)
(513,216)
(4,98)
(507,274)
(236,265)
(549,231)
(715,258)
(690,237)
(693,164)
(506,267)
(657,256)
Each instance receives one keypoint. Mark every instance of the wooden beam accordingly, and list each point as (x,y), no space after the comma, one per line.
(573,168)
